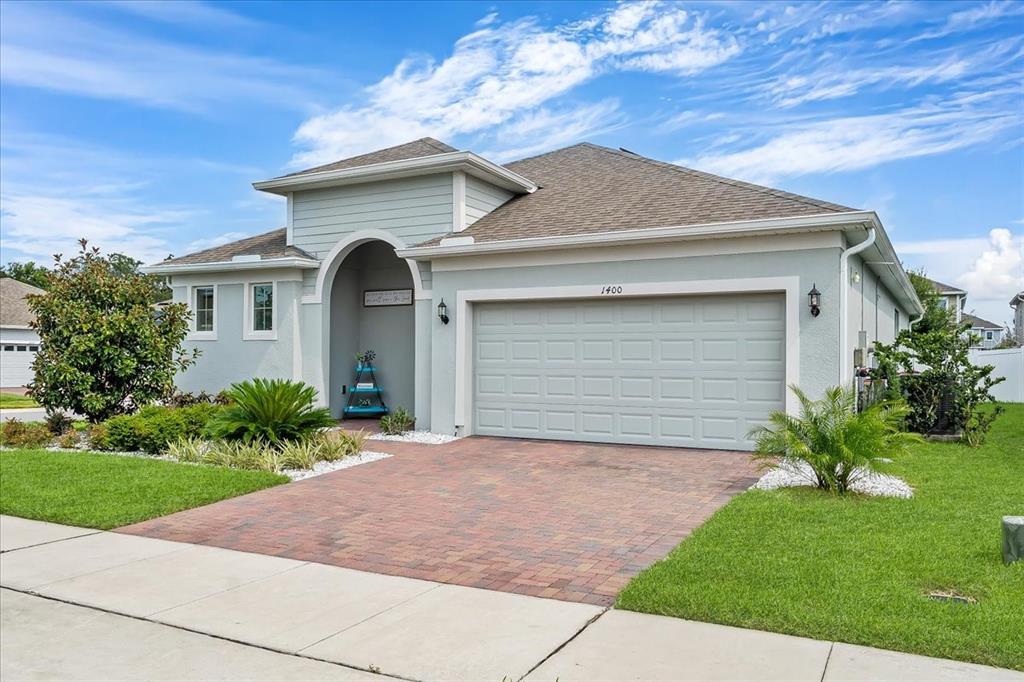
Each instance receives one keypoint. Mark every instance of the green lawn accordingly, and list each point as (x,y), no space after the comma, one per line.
(11,401)
(105,491)
(857,569)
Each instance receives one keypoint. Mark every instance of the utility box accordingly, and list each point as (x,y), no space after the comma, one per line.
(1013,538)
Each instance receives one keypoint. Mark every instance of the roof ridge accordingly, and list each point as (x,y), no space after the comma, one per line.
(553,151)
(810,201)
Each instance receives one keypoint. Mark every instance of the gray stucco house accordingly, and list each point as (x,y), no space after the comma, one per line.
(588,294)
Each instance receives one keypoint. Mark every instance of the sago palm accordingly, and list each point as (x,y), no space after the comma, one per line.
(270,410)
(838,443)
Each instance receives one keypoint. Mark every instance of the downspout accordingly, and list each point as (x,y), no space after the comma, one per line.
(844,295)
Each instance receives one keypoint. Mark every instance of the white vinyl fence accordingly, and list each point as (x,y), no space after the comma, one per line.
(1009,363)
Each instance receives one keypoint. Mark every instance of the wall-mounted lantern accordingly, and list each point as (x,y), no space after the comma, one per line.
(814,300)
(442,312)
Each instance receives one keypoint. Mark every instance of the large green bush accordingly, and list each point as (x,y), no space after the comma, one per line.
(930,367)
(833,438)
(270,410)
(152,429)
(105,348)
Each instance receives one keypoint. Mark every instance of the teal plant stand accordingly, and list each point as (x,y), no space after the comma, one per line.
(365,396)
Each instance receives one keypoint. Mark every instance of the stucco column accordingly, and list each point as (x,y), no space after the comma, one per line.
(424,334)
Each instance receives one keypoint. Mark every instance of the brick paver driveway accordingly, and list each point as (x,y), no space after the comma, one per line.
(570,521)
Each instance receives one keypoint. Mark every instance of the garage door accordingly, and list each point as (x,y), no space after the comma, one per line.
(16,363)
(695,371)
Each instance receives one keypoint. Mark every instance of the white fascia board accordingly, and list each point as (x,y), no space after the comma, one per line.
(467,162)
(224,266)
(824,222)
(893,267)
(849,220)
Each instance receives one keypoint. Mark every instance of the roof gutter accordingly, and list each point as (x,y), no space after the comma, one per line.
(230,265)
(844,301)
(467,162)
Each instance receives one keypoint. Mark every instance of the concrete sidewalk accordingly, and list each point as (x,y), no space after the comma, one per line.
(81,604)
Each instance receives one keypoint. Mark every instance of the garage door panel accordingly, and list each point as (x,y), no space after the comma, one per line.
(687,371)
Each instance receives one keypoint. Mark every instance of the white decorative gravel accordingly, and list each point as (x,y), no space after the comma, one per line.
(790,474)
(425,437)
(364,457)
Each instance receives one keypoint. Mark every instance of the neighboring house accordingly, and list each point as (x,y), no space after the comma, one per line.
(951,298)
(1017,303)
(985,334)
(586,294)
(18,342)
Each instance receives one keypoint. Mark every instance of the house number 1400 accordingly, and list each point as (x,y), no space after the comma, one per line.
(611,290)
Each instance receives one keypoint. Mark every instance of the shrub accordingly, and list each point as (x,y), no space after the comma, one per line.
(335,445)
(398,422)
(99,437)
(254,455)
(18,434)
(270,410)
(153,428)
(837,442)
(301,454)
(58,422)
(104,348)
(190,449)
(69,440)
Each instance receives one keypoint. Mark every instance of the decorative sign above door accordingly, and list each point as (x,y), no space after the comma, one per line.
(381,297)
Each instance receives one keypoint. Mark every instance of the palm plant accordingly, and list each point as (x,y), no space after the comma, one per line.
(269,410)
(837,443)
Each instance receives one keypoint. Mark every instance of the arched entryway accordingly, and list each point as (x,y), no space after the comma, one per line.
(369,306)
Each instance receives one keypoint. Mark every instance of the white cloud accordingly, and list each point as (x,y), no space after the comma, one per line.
(990,269)
(210,242)
(858,142)
(503,72)
(998,272)
(51,48)
(973,17)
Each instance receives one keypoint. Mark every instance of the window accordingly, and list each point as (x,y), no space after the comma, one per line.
(944,302)
(988,336)
(203,308)
(896,321)
(34,349)
(263,307)
(8,348)
(22,349)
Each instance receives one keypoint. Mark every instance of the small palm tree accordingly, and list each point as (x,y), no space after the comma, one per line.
(839,444)
(269,410)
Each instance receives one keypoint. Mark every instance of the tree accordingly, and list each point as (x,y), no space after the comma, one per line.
(929,365)
(28,273)
(105,348)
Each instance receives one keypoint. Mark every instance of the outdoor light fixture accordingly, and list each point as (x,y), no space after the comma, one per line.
(814,300)
(442,312)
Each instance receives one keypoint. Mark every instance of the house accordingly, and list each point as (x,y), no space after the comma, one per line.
(1017,303)
(19,343)
(586,294)
(985,334)
(951,298)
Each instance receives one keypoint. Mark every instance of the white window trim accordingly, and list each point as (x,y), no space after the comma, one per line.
(790,286)
(194,335)
(250,334)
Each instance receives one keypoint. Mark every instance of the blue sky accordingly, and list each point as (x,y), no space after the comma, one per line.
(142,125)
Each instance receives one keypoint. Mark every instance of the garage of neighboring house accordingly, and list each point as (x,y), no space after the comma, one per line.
(695,371)
(18,342)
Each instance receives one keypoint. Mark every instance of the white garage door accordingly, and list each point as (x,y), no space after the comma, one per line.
(695,371)
(16,363)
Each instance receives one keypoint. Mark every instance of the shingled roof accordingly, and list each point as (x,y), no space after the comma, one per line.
(268,245)
(425,146)
(978,322)
(945,288)
(584,189)
(14,310)
(588,189)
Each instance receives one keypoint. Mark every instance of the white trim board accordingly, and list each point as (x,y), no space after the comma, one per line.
(194,335)
(790,286)
(248,333)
